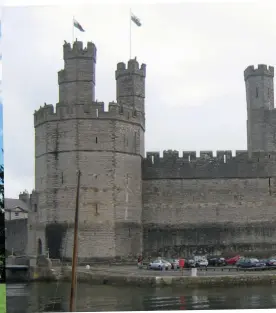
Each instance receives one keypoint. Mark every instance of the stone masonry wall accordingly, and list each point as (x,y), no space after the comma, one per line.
(212,215)
(17,236)
(110,181)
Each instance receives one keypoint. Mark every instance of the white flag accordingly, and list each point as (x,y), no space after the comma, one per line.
(78,25)
(136,20)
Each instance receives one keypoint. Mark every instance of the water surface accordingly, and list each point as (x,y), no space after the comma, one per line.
(49,297)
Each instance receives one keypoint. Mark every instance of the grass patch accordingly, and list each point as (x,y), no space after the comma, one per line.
(3,298)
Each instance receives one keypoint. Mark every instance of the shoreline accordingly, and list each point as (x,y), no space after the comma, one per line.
(142,279)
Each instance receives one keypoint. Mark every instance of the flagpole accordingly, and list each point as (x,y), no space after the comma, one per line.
(130,34)
(73,30)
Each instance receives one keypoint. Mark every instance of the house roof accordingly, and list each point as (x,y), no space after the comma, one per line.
(12,204)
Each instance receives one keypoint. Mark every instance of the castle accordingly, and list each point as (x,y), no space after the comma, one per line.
(131,203)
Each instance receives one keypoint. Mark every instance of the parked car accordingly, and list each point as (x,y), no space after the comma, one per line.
(159,264)
(189,263)
(216,261)
(250,263)
(271,261)
(233,260)
(241,260)
(201,261)
(173,262)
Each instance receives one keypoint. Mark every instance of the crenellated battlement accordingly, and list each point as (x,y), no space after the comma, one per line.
(78,51)
(261,70)
(131,68)
(94,110)
(219,155)
(206,165)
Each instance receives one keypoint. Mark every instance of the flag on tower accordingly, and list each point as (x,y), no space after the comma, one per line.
(78,25)
(136,20)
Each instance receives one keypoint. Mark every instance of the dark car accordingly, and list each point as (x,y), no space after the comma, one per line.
(189,263)
(271,261)
(216,261)
(250,263)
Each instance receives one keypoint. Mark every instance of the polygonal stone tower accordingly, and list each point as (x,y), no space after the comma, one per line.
(260,103)
(106,146)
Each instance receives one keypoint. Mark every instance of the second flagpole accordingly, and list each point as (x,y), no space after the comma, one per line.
(73,30)
(130,34)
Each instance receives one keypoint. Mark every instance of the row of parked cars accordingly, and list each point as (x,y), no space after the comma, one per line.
(203,261)
(166,264)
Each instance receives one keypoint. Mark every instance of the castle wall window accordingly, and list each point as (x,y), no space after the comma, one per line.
(257,92)
(96,139)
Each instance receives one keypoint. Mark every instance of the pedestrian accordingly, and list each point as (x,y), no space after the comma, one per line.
(140,262)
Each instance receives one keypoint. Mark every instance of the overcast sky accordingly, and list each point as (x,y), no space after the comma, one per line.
(195,56)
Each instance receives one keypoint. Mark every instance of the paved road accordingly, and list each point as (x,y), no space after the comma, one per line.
(133,270)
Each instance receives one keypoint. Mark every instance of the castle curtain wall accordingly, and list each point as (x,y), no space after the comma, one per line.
(209,204)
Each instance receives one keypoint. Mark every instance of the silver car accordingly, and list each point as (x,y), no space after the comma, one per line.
(159,265)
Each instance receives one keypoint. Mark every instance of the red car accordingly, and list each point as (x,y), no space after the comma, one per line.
(233,261)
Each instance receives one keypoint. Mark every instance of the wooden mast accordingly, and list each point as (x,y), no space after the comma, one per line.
(75,249)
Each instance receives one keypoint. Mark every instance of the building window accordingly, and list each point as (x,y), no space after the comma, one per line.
(35,207)
(257,92)
(16,214)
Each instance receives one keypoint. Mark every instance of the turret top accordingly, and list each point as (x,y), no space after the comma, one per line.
(78,51)
(261,70)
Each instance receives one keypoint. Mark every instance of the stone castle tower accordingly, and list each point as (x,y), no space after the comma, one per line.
(261,118)
(106,146)
(171,205)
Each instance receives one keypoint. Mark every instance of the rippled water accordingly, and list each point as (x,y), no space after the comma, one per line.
(49,297)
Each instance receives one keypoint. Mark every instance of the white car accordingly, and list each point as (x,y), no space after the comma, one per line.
(159,265)
(202,263)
